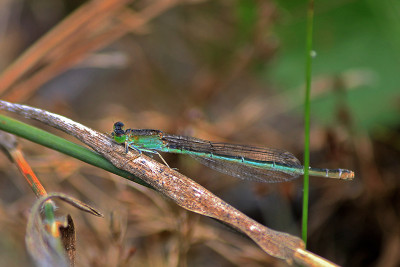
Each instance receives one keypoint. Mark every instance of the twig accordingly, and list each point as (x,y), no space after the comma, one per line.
(184,191)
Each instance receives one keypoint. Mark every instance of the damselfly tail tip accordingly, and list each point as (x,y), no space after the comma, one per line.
(347,175)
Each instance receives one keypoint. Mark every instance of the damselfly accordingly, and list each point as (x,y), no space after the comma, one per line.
(246,162)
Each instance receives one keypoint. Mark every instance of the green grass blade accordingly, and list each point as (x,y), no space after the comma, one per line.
(310,18)
(62,145)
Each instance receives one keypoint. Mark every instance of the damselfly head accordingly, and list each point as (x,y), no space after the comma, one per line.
(118,125)
(119,135)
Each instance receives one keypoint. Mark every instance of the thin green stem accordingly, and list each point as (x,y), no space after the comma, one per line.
(49,212)
(310,18)
(64,146)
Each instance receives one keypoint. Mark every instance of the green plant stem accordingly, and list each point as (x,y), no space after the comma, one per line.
(310,18)
(49,212)
(64,146)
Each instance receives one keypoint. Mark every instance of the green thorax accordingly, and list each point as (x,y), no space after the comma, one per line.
(144,138)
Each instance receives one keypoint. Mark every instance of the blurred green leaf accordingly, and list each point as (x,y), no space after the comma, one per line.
(356,43)
(246,12)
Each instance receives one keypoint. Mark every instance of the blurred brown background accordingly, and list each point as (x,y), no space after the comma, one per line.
(219,70)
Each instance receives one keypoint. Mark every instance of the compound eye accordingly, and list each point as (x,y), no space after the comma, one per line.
(118,125)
